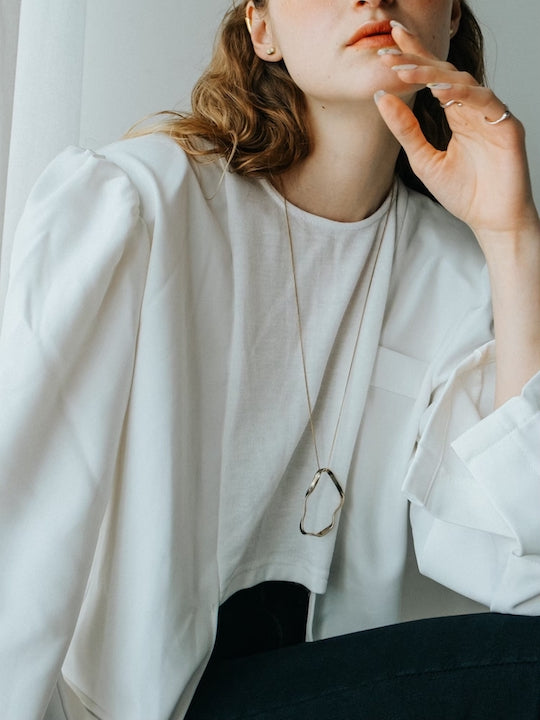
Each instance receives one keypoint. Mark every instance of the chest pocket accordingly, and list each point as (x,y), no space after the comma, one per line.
(398,373)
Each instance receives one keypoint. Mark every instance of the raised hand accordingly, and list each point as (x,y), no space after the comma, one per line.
(482,177)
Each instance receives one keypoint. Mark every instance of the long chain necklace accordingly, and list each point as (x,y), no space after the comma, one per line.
(322,471)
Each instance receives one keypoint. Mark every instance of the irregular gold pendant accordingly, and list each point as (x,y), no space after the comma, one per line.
(311,488)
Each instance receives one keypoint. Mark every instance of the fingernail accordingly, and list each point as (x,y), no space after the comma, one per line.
(396,24)
(389,51)
(404,67)
(439,86)
(378,95)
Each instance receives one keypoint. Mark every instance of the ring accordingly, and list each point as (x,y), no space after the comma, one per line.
(506,114)
(449,103)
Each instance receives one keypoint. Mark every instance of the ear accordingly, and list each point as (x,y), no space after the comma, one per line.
(261,34)
(455,17)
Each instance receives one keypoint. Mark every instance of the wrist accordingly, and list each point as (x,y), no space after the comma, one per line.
(513,261)
(512,256)
(516,241)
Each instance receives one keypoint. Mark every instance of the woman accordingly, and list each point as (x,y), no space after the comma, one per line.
(236,351)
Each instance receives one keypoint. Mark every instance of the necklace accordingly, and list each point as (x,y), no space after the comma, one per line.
(326,471)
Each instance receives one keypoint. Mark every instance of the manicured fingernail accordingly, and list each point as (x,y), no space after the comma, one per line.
(378,95)
(439,86)
(396,24)
(404,67)
(389,51)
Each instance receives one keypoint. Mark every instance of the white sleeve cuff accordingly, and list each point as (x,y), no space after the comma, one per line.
(475,488)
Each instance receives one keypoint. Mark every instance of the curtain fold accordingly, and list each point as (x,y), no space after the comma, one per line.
(46,99)
(9,33)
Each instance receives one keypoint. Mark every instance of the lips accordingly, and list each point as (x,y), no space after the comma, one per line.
(377,32)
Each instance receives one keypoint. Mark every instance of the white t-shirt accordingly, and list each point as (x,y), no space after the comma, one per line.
(156,446)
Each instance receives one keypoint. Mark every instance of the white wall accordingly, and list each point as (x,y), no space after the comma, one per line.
(513,58)
(142,56)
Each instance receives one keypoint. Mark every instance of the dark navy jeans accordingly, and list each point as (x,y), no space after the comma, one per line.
(480,667)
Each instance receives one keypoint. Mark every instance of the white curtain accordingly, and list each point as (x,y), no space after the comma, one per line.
(83,71)
(9,28)
(46,101)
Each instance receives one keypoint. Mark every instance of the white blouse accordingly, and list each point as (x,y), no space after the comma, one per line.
(155,446)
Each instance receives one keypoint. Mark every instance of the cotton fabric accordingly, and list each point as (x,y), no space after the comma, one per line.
(156,446)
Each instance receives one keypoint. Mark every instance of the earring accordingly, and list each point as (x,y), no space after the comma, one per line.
(271,51)
(248,23)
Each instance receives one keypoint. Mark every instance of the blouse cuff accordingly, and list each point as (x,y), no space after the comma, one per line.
(479,469)
(502,453)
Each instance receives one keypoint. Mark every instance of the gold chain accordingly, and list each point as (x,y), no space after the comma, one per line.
(326,470)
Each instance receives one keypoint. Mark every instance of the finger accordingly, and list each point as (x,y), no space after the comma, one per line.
(407,42)
(415,73)
(478,98)
(405,127)
(392,55)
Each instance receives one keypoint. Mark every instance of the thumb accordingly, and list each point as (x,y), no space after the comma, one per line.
(405,127)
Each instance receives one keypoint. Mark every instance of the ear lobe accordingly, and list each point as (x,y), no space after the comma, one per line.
(261,35)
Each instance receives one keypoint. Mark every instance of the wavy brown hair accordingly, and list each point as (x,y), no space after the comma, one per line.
(252,113)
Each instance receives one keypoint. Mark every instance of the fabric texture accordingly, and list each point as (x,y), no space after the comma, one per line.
(157,448)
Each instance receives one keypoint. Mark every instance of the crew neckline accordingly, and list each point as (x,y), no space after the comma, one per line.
(298,214)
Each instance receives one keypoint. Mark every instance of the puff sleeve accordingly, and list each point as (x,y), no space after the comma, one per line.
(67,351)
(474,486)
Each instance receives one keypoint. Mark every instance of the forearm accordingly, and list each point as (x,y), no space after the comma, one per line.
(514,267)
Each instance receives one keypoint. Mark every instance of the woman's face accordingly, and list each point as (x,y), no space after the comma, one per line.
(316,39)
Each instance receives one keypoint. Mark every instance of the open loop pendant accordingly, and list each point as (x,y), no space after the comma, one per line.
(373,261)
(320,472)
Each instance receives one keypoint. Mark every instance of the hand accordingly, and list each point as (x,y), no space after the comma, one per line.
(482,177)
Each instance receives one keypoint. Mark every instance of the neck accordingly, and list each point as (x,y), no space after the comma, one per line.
(350,169)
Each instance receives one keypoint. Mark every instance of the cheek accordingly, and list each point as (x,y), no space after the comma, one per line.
(433,23)
(305,52)
(436,37)
(304,23)
(440,45)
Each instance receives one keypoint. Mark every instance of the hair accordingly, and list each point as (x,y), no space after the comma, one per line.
(253,114)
